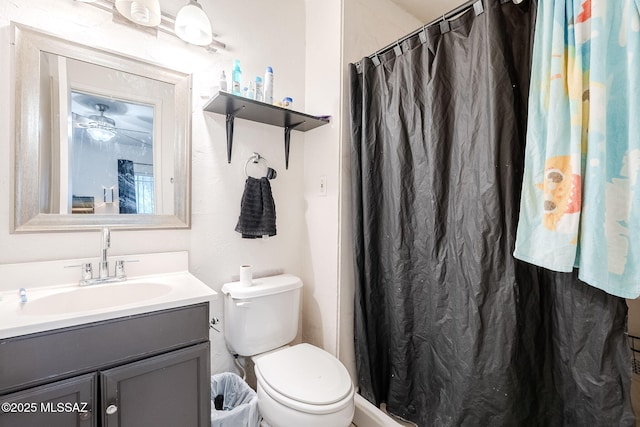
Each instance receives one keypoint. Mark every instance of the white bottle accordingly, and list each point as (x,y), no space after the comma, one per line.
(223,81)
(268,86)
(251,93)
(259,94)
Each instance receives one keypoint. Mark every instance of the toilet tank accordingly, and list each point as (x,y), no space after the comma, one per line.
(263,316)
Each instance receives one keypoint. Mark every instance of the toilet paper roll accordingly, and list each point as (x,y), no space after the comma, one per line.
(246,275)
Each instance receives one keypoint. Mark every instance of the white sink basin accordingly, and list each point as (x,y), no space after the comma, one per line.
(94,297)
(62,306)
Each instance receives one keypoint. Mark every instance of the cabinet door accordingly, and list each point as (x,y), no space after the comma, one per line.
(168,390)
(66,403)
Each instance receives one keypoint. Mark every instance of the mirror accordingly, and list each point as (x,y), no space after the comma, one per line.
(101,139)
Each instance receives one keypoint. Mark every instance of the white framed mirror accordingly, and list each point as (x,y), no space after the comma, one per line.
(100,139)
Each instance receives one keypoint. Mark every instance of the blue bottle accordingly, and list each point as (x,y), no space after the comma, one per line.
(236,78)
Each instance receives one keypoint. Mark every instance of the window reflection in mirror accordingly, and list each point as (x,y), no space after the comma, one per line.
(110,156)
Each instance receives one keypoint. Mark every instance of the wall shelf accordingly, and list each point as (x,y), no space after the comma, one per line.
(249,109)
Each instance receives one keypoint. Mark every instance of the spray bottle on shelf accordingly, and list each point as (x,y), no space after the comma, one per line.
(259,95)
(268,86)
(251,93)
(236,78)
(223,81)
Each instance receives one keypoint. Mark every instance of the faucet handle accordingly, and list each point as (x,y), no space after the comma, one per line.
(87,270)
(120,267)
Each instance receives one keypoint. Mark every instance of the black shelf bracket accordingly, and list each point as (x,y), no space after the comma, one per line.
(287,141)
(230,117)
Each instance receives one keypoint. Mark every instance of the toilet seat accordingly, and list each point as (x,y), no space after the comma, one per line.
(306,378)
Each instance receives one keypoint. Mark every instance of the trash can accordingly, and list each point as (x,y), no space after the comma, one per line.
(233,402)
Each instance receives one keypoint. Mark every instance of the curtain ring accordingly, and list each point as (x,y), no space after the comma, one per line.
(376,59)
(445,27)
(397,49)
(423,35)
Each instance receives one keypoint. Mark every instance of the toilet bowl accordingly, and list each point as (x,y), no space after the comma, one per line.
(304,385)
(300,385)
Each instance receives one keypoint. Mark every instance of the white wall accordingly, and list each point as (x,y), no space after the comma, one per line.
(320,305)
(372,24)
(259,33)
(428,11)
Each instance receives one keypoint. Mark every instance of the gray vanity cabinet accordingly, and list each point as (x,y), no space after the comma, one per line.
(52,405)
(151,369)
(159,391)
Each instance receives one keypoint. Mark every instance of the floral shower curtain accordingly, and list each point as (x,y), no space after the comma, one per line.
(580,202)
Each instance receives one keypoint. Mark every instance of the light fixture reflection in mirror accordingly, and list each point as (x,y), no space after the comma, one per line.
(111,152)
(101,128)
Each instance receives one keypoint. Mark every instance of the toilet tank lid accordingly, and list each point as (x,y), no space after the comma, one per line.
(262,287)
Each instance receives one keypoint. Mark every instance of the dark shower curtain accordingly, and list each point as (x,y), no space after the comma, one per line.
(451,330)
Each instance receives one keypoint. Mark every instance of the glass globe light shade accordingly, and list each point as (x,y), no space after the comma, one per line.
(142,12)
(193,25)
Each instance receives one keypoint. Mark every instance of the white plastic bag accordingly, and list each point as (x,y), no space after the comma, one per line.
(240,405)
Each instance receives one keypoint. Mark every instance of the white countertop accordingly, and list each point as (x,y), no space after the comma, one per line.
(64,305)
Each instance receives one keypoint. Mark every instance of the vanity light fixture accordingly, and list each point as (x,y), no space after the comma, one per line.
(143,12)
(193,25)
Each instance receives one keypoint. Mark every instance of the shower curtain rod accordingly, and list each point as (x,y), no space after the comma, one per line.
(476,4)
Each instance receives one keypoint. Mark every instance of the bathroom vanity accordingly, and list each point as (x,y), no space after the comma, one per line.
(74,356)
(83,343)
(146,370)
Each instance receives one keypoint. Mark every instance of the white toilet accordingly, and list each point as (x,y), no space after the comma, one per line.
(298,385)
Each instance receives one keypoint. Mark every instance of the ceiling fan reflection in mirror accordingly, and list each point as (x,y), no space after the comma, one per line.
(104,119)
(101,128)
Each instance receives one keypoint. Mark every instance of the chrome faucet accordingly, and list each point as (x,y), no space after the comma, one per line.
(103,266)
(106,244)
